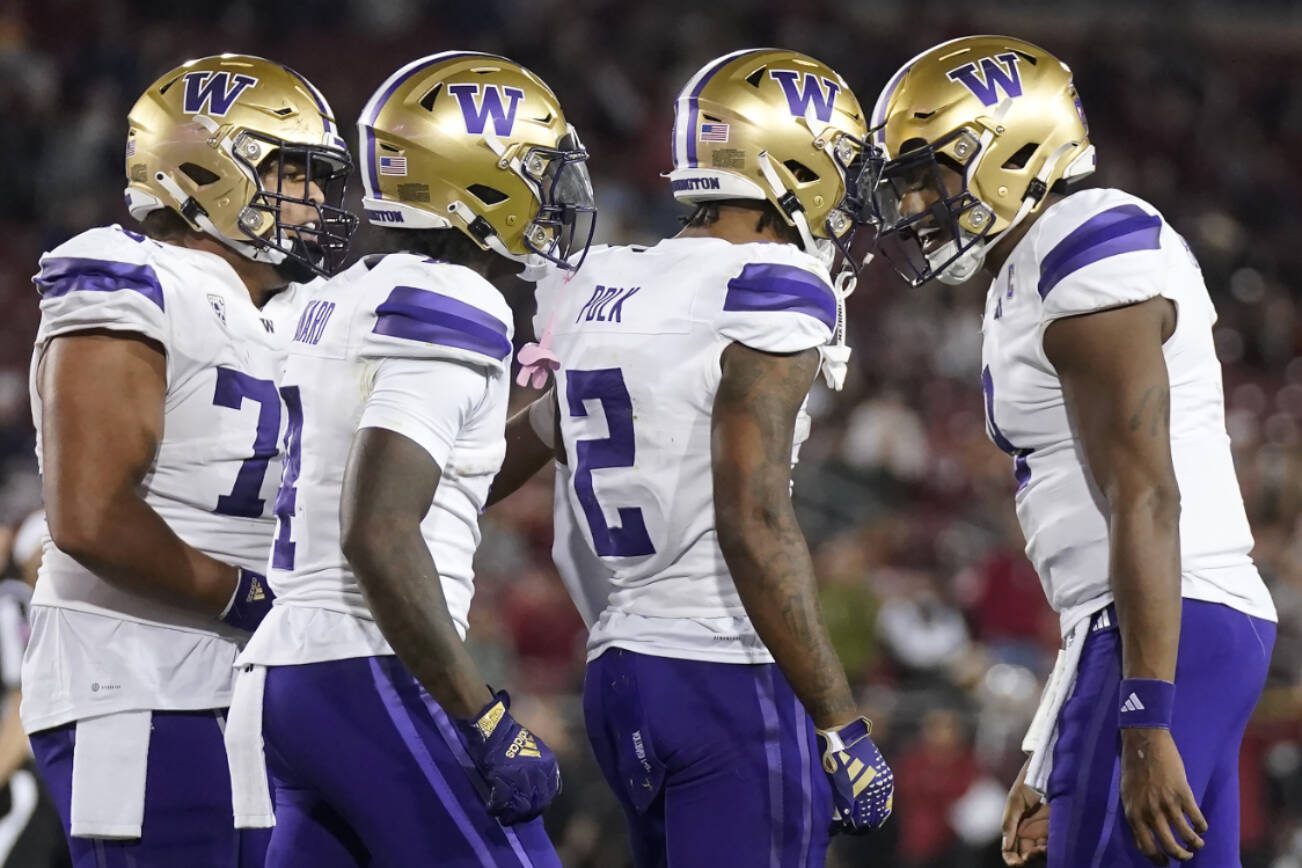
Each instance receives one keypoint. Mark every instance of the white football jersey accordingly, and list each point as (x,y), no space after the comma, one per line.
(639,332)
(95,648)
(1094,250)
(411,345)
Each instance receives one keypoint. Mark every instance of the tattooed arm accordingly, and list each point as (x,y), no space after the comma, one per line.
(1118,397)
(752,430)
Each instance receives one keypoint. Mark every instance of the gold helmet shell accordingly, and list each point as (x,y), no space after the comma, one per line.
(1001,111)
(198,142)
(770,124)
(476,142)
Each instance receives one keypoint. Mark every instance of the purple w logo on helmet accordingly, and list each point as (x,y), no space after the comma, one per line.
(491,105)
(993,77)
(213,93)
(806,94)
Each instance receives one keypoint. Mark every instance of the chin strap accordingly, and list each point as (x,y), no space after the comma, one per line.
(970,260)
(836,353)
(825,253)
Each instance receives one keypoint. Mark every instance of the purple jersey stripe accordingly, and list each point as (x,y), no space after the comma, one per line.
(772,287)
(406,727)
(693,110)
(424,315)
(1124,229)
(60,276)
(764,693)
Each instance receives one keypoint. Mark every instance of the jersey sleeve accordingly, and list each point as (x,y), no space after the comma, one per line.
(1110,259)
(455,315)
(428,401)
(777,307)
(103,279)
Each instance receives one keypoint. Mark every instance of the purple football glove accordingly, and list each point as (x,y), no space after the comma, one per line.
(251,602)
(521,771)
(863,786)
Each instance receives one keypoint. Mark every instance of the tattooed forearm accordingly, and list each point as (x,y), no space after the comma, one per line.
(754,419)
(1154,410)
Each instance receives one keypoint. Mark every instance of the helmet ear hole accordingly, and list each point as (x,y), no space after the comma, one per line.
(201,176)
(486,194)
(1022,157)
(800,171)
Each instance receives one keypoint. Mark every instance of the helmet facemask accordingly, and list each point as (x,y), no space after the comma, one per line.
(948,237)
(567,215)
(318,246)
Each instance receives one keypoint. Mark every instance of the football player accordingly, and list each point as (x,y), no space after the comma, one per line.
(384,745)
(1101,382)
(157,417)
(715,704)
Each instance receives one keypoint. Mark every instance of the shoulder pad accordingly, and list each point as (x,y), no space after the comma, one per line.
(1097,251)
(447,312)
(103,278)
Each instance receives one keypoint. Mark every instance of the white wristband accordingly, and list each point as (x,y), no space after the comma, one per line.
(542,419)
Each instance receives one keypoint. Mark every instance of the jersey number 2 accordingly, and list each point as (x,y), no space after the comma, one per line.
(606,385)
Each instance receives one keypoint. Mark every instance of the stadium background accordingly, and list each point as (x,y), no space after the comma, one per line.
(940,620)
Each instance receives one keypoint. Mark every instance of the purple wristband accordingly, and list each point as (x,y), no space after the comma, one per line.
(1146,702)
(250,603)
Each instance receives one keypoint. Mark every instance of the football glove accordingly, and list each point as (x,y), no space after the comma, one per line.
(520,770)
(863,786)
(250,603)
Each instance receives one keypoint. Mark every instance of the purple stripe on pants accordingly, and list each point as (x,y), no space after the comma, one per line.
(1220,670)
(365,775)
(449,732)
(707,761)
(402,722)
(772,753)
(806,770)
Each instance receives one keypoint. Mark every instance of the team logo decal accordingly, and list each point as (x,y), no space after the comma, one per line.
(213,93)
(495,103)
(989,76)
(218,306)
(807,95)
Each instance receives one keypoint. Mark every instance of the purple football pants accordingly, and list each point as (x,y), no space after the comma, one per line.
(368,770)
(1219,676)
(188,818)
(714,764)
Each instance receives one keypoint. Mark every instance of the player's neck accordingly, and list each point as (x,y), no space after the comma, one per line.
(736,226)
(1003,248)
(261,279)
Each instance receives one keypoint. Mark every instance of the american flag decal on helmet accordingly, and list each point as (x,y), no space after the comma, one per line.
(393,165)
(714,133)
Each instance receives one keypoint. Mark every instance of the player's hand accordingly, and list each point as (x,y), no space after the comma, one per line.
(521,771)
(250,603)
(1025,825)
(1155,793)
(863,785)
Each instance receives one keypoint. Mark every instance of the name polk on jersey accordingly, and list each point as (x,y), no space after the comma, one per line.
(606,304)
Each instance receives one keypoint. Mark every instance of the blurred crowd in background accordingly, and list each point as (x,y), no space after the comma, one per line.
(938,616)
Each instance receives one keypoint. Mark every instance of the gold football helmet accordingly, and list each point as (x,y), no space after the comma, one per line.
(1001,113)
(775,125)
(477,142)
(202,138)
